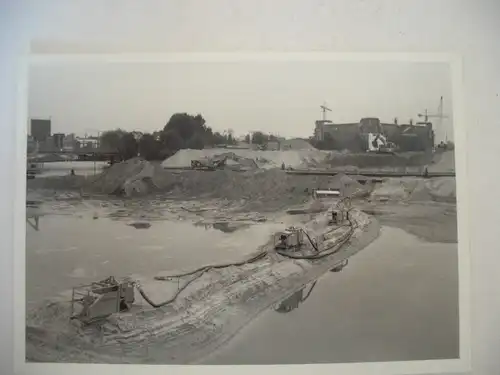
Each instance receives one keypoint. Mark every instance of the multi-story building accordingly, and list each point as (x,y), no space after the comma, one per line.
(58,140)
(87,142)
(354,136)
(40,129)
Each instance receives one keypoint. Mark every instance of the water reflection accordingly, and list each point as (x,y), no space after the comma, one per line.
(34,222)
(223,226)
(140,225)
(292,302)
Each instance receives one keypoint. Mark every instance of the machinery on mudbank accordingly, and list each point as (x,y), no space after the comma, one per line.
(208,164)
(290,238)
(101,299)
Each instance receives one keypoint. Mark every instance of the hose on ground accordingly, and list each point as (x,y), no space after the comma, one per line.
(253,259)
(201,270)
(344,203)
(310,291)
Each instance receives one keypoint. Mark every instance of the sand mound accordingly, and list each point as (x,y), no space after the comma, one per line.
(263,159)
(128,177)
(443,189)
(296,144)
(395,188)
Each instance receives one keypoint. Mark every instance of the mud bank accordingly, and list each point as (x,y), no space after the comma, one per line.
(380,161)
(433,222)
(266,190)
(207,314)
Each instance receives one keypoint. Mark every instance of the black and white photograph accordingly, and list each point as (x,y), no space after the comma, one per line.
(241,212)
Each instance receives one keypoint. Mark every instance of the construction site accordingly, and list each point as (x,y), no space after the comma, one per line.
(166,262)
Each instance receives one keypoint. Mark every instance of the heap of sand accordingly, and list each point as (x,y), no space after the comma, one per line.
(263,159)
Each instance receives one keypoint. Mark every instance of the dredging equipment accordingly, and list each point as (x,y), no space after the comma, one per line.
(101,299)
(290,238)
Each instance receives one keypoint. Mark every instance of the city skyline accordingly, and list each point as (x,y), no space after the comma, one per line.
(142,97)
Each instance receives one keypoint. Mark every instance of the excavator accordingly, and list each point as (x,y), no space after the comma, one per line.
(210,164)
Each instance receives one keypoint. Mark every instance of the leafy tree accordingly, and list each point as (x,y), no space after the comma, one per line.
(112,139)
(171,140)
(128,146)
(150,148)
(186,125)
(120,141)
(272,138)
(196,142)
(259,138)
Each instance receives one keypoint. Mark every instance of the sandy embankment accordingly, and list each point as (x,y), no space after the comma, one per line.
(218,304)
(273,190)
(207,313)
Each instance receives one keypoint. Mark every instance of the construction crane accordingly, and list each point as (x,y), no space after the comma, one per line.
(324,108)
(440,116)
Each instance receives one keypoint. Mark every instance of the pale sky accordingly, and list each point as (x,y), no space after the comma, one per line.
(277,97)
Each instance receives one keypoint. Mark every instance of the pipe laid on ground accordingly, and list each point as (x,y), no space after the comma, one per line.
(260,255)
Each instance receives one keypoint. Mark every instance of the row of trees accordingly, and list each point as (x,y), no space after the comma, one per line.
(181,131)
(260,138)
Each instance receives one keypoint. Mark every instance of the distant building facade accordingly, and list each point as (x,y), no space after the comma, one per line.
(40,129)
(354,136)
(86,143)
(31,144)
(69,142)
(58,140)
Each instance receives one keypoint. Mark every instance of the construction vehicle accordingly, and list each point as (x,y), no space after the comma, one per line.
(338,217)
(208,164)
(290,239)
(99,300)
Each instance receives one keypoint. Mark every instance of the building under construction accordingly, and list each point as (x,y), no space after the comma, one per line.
(354,136)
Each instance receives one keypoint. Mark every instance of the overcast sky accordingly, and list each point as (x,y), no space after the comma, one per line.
(278,97)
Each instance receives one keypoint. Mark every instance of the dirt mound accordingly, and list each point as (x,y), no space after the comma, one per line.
(263,190)
(129,177)
(443,189)
(263,159)
(296,144)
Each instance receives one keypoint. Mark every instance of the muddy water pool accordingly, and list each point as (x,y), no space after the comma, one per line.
(68,250)
(396,300)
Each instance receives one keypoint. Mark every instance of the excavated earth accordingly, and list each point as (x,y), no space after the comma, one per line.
(207,314)
(219,303)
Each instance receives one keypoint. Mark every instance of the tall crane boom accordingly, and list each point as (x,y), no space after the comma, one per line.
(440,116)
(324,108)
